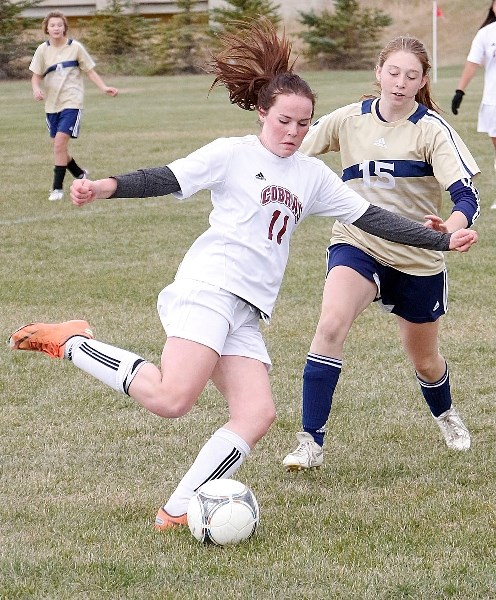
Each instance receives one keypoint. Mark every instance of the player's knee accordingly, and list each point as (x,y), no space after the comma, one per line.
(259,425)
(259,422)
(265,419)
(269,418)
(175,403)
(429,368)
(59,145)
(331,330)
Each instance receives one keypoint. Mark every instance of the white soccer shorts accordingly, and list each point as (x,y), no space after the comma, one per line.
(487,120)
(214,317)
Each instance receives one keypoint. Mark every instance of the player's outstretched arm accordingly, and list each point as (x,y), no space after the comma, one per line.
(84,191)
(399,229)
(463,239)
(457,222)
(144,183)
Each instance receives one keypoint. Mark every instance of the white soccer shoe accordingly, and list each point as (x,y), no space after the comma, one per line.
(56,195)
(454,431)
(308,455)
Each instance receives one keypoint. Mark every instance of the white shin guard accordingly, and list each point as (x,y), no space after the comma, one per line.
(113,366)
(219,458)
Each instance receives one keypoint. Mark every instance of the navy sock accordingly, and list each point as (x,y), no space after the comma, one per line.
(58,177)
(74,168)
(320,378)
(437,394)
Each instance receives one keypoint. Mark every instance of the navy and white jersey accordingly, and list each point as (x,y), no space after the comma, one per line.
(401,166)
(483,53)
(61,67)
(258,201)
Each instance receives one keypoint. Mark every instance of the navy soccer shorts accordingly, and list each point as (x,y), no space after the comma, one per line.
(418,299)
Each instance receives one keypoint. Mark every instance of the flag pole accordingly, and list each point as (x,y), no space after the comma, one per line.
(434,41)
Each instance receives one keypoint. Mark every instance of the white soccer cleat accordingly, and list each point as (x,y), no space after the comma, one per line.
(454,431)
(308,455)
(56,195)
(493,205)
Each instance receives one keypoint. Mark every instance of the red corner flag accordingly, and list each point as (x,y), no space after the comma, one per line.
(439,13)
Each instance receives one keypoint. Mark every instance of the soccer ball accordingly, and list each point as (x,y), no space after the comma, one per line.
(223,512)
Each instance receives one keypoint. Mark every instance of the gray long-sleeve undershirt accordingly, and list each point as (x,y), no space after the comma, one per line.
(395,228)
(161,181)
(146,183)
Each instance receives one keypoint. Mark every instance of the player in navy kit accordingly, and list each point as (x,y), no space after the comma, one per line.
(57,68)
(261,190)
(399,153)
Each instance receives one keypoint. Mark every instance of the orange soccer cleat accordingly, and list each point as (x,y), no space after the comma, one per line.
(164,520)
(49,338)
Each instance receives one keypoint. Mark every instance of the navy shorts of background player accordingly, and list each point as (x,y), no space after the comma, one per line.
(415,298)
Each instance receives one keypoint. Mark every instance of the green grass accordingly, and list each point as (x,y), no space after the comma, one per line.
(392,515)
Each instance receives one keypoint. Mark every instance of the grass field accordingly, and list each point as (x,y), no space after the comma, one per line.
(392,515)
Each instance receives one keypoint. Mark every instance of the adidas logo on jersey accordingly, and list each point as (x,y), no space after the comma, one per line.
(260,176)
(381,142)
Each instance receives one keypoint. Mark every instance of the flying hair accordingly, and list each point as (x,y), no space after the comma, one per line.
(254,65)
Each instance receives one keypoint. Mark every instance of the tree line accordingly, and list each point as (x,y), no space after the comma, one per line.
(128,43)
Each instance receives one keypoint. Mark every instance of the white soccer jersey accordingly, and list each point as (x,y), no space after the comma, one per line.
(60,67)
(258,201)
(483,52)
(399,166)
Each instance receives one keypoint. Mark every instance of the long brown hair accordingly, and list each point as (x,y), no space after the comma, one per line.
(414,46)
(490,18)
(254,65)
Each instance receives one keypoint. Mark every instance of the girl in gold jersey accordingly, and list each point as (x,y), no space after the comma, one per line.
(399,153)
(57,67)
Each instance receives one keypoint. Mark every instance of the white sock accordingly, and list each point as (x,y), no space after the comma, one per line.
(219,458)
(113,366)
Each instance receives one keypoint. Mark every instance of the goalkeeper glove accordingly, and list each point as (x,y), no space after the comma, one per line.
(457,100)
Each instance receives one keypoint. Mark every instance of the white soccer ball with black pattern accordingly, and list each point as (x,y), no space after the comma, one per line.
(223,512)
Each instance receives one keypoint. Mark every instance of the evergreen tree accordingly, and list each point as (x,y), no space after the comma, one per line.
(243,10)
(118,35)
(183,44)
(346,38)
(13,45)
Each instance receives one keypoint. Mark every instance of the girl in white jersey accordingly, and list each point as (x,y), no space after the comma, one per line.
(398,153)
(482,54)
(261,189)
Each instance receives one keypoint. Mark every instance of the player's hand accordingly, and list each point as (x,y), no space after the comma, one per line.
(436,223)
(457,100)
(83,191)
(38,95)
(462,240)
(111,91)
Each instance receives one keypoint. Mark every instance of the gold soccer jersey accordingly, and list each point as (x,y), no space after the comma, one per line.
(412,160)
(61,67)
